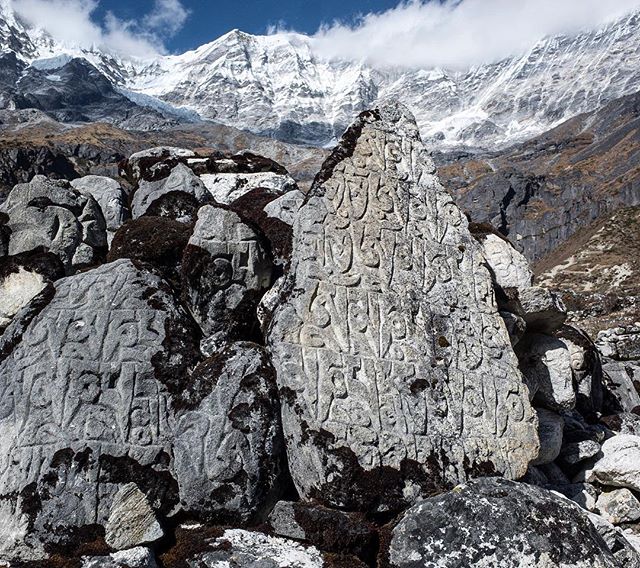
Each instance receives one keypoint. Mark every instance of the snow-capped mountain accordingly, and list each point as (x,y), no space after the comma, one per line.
(276,85)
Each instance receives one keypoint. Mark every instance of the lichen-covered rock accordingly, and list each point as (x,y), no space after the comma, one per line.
(495,522)
(252,208)
(131,521)
(242,549)
(158,241)
(327,529)
(546,365)
(509,268)
(396,369)
(619,465)
(85,399)
(51,214)
(229,448)
(111,198)
(227,187)
(154,164)
(550,426)
(179,196)
(225,272)
(139,557)
(619,506)
(543,309)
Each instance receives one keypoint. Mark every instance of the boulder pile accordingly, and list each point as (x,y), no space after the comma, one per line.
(203,366)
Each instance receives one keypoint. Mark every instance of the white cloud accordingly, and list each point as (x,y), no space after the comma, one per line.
(460,33)
(73,22)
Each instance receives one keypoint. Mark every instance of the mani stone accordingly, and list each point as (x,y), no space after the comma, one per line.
(132,522)
(225,272)
(228,437)
(51,214)
(497,523)
(396,370)
(85,402)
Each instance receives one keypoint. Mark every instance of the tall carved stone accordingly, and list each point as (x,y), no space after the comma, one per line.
(396,370)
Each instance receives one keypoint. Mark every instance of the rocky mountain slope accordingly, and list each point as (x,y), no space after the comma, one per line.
(277,85)
(597,272)
(541,192)
(208,368)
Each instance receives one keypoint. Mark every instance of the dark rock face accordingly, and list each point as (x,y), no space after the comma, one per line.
(385,341)
(327,529)
(225,270)
(160,241)
(53,215)
(228,441)
(496,522)
(78,92)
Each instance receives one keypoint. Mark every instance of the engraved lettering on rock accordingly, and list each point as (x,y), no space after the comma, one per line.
(397,336)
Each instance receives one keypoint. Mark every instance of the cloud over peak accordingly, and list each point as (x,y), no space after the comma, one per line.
(74,22)
(461,33)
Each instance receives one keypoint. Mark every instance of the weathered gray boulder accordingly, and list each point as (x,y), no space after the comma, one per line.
(396,369)
(225,272)
(131,521)
(550,426)
(544,310)
(619,465)
(621,378)
(51,214)
(22,278)
(227,187)
(111,198)
(495,522)
(228,440)
(139,557)
(546,365)
(509,268)
(154,164)
(179,196)
(85,400)
(619,506)
(622,544)
(286,207)
(575,452)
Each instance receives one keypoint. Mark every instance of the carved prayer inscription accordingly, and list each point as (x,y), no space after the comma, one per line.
(81,385)
(390,348)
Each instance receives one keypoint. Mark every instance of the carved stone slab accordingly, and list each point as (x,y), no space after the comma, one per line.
(395,368)
(85,399)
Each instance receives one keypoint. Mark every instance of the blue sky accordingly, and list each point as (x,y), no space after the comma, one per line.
(210,19)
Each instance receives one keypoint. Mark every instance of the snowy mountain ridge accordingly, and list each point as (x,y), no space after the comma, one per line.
(276,85)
